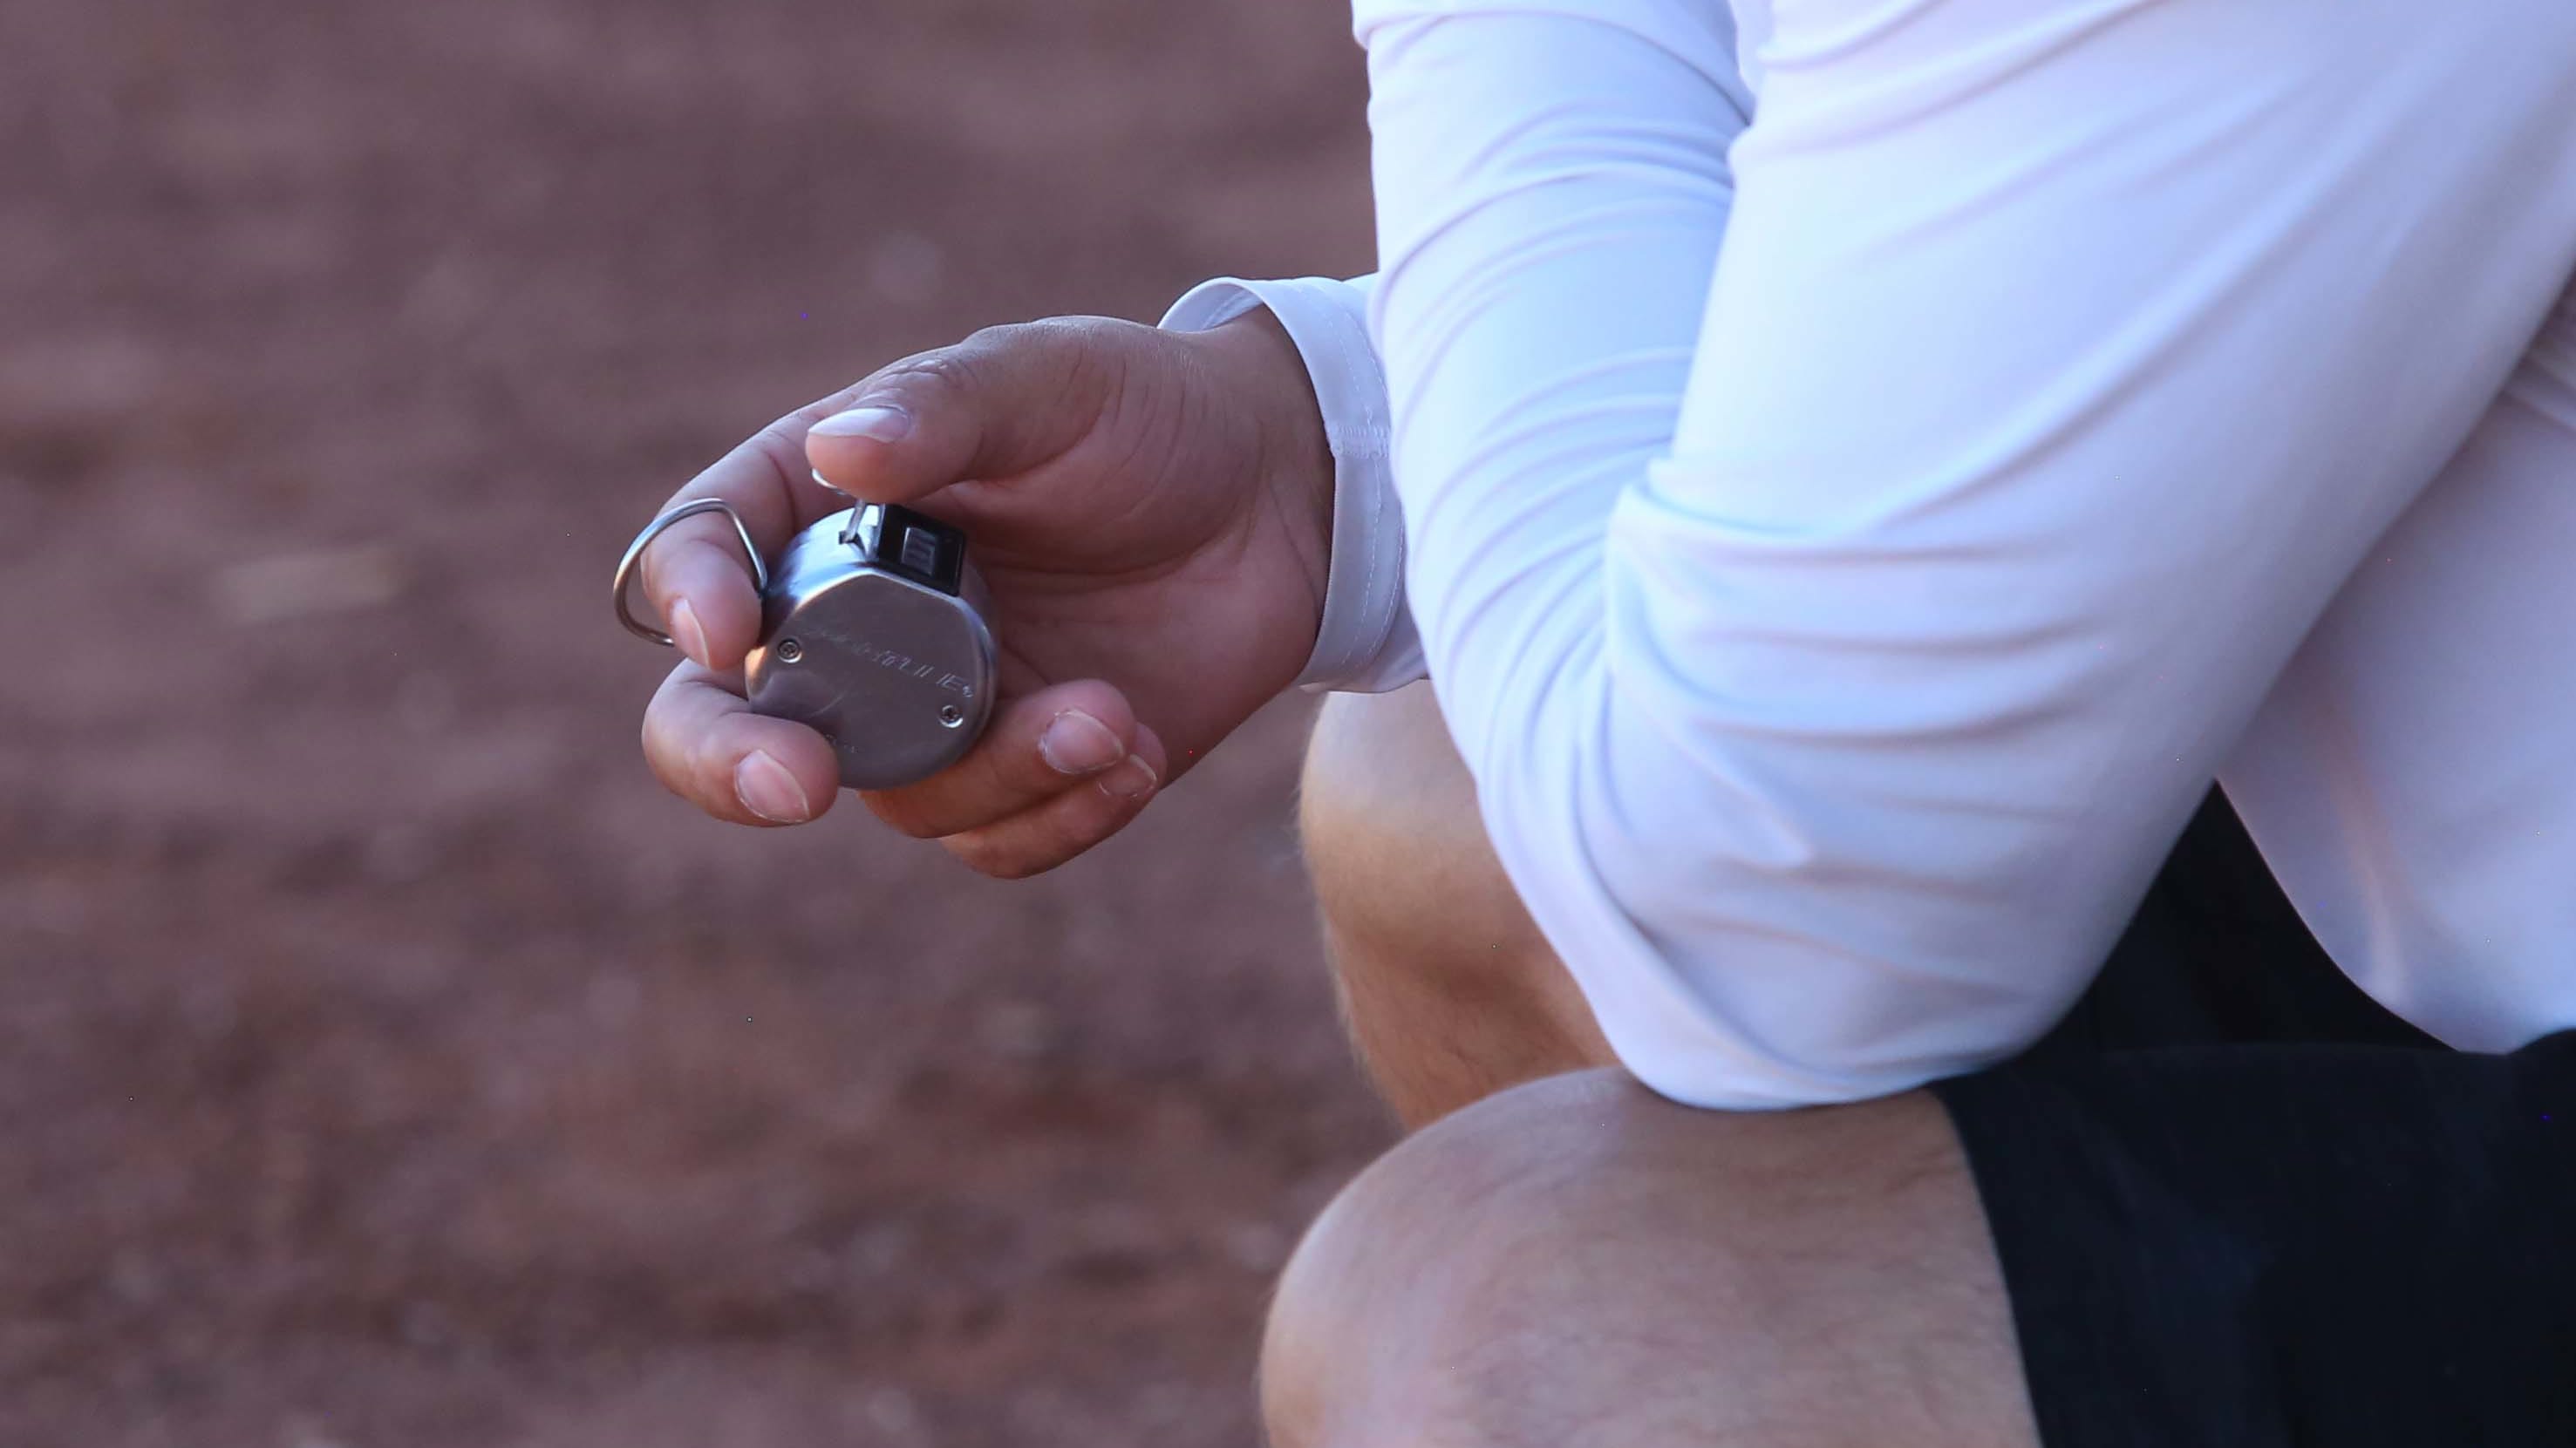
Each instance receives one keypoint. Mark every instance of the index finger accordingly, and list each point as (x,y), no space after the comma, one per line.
(694,576)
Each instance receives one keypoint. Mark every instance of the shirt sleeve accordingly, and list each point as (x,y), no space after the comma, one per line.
(1366,643)
(2061,364)
(1553,193)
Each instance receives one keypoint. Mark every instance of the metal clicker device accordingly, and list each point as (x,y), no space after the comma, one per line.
(872,632)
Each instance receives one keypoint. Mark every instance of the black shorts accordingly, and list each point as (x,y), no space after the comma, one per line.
(2239,1205)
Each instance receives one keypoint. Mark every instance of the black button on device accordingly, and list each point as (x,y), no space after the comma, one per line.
(920,551)
(920,548)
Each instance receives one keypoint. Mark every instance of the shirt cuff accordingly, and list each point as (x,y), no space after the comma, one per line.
(1367,643)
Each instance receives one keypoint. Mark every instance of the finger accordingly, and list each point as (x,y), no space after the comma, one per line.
(707,747)
(1042,838)
(700,583)
(696,577)
(1038,746)
(995,405)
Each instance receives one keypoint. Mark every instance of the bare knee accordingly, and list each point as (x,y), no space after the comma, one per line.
(1363,1342)
(1577,1260)
(1451,991)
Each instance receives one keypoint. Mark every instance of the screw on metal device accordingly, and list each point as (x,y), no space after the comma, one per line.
(872,632)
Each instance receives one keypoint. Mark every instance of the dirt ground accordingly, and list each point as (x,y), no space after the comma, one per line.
(384,1059)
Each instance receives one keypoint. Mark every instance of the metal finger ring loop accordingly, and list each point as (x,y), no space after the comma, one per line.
(655,529)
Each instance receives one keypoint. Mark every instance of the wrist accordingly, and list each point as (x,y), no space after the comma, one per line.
(1257,363)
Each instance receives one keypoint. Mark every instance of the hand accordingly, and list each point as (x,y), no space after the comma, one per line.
(1152,514)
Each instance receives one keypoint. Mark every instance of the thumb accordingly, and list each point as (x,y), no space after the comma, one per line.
(1003,401)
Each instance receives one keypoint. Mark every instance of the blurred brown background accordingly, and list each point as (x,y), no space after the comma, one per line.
(384,1059)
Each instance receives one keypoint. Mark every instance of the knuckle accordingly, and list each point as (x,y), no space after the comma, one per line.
(780,436)
(781,445)
(1080,332)
(708,768)
(1003,338)
(1065,355)
(950,369)
(665,745)
(715,557)
(685,554)
(655,732)
(653,567)
(1050,348)
(684,770)
(659,754)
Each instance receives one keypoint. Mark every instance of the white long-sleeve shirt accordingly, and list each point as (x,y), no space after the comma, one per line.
(2091,398)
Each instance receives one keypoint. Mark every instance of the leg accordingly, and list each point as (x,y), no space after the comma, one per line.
(1579,1262)
(1450,992)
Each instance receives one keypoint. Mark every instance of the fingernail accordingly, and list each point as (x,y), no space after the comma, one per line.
(1134,779)
(1076,743)
(880,421)
(766,789)
(686,632)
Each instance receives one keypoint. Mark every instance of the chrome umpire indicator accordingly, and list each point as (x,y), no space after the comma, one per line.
(872,631)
